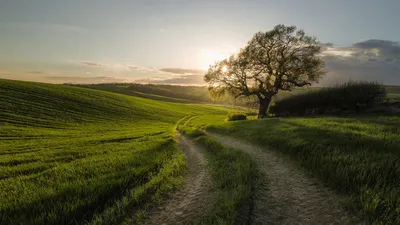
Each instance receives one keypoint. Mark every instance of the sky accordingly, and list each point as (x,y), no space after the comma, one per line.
(174,41)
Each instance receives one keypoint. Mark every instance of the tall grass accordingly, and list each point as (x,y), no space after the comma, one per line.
(348,97)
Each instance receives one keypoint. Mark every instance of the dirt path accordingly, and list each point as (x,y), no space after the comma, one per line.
(290,196)
(189,203)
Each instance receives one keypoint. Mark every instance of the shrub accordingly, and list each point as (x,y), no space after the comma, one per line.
(348,97)
(232,116)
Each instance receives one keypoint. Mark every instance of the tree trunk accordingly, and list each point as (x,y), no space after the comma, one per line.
(262,110)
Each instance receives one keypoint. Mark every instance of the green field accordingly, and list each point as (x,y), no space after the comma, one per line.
(169,93)
(84,156)
(70,155)
(358,157)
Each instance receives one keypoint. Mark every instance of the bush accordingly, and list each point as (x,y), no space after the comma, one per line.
(232,116)
(350,97)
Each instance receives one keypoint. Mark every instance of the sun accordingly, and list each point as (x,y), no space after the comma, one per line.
(224,69)
(205,58)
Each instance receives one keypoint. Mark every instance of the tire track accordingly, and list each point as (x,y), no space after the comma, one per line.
(190,203)
(288,195)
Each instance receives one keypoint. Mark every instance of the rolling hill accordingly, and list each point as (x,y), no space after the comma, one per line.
(69,154)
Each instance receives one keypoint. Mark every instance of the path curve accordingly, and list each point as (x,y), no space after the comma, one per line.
(290,196)
(189,203)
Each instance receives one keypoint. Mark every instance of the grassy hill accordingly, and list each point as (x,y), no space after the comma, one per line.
(69,154)
(170,93)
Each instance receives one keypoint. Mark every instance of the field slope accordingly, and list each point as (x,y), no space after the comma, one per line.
(75,155)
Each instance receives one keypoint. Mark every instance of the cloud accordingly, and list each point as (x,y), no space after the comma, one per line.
(337,51)
(183,71)
(93,64)
(36,72)
(382,47)
(86,72)
(176,80)
(40,72)
(120,67)
(130,67)
(144,69)
(372,60)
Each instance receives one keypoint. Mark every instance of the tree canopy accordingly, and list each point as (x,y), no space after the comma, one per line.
(280,59)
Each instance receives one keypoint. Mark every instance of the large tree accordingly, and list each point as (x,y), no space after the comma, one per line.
(280,59)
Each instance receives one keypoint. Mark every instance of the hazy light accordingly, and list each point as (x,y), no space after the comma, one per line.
(224,69)
(205,58)
(338,52)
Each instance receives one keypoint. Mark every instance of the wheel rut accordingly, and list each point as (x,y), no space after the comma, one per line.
(189,203)
(287,194)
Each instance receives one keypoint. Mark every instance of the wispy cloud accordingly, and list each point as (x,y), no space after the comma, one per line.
(93,64)
(119,66)
(183,71)
(175,80)
(131,67)
(41,72)
(36,72)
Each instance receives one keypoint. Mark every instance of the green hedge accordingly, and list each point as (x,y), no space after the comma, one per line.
(232,116)
(350,97)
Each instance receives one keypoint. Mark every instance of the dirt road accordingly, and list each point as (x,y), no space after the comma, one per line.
(290,196)
(195,197)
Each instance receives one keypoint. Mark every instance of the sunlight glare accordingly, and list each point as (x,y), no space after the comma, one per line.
(224,69)
(205,58)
